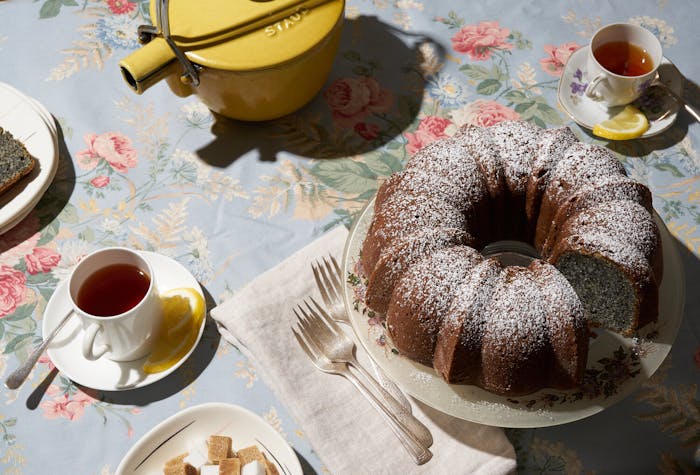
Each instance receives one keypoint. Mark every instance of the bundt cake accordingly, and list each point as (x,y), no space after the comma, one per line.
(511,330)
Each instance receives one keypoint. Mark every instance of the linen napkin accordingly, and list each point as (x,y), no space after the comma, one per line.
(345,431)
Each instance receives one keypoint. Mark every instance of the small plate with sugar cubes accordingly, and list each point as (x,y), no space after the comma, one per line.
(211,439)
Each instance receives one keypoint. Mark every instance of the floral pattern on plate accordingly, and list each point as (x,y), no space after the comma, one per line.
(616,365)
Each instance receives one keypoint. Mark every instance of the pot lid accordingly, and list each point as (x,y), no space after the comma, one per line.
(244,35)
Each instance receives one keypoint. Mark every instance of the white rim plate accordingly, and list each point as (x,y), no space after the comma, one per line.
(104,374)
(176,434)
(40,109)
(29,122)
(547,407)
(661,109)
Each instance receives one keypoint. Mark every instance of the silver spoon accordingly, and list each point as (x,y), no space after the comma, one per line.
(17,377)
(691,110)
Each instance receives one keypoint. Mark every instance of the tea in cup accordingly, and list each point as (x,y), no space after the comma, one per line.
(622,61)
(113,292)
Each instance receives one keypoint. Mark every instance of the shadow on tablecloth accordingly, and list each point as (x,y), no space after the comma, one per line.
(373,94)
(306,467)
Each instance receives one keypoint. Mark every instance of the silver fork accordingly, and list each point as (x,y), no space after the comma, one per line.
(342,349)
(315,349)
(328,279)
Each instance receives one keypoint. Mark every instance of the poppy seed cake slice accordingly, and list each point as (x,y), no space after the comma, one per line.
(15,160)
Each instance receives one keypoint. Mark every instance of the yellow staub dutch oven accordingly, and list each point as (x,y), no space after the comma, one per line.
(245,59)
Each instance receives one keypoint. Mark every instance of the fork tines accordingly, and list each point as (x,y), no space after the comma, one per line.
(307,343)
(327,279)
(316,321)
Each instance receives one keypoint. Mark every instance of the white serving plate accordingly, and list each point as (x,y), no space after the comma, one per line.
(547,407)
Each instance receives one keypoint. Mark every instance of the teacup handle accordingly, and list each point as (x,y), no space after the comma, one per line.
(590,89)
(89,351)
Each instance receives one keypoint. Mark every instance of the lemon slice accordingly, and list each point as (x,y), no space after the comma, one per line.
(628,124)
(183,312)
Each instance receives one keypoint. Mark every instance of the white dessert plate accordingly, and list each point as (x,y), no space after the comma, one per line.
(29,122)
(660,108)
(194,425)
(41,110)
(616,365)
(104,374)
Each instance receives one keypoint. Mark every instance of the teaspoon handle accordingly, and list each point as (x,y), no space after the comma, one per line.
(691,110)
(18,376)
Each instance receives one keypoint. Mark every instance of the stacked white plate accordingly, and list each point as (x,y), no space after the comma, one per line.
(29,122)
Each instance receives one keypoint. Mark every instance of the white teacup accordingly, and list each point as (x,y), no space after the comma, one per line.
(114,293)
(613,88)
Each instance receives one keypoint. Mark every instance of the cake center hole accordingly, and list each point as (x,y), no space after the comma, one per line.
(511,253)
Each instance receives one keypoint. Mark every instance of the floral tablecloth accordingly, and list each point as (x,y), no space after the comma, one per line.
(229,200)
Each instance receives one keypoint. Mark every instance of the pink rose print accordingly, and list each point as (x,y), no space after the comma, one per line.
(558,56)
(19,240)
(113,147)
(480,40)
(42,259)
(367,131)
(429,130)
(487,113)
(12,289)
(88,159)
(353,99)
(63,406)
(120,7)
(100,181)
(44,359)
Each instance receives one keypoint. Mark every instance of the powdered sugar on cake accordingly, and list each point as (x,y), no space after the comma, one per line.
(511,330)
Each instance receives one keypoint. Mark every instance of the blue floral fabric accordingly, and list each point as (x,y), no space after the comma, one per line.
(229,200)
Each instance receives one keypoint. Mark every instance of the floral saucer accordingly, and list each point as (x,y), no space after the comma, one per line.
(104,374)
(660,108)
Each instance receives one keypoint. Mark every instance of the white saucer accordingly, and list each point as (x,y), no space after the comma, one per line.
(104,374)
(31,123)
(178,433)
(660,109)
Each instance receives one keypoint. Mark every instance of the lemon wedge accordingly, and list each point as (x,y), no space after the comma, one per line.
(183,312)
(628,124)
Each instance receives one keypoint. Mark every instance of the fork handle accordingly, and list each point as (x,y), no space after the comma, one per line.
(389,385)
(403,415)
(418,451)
